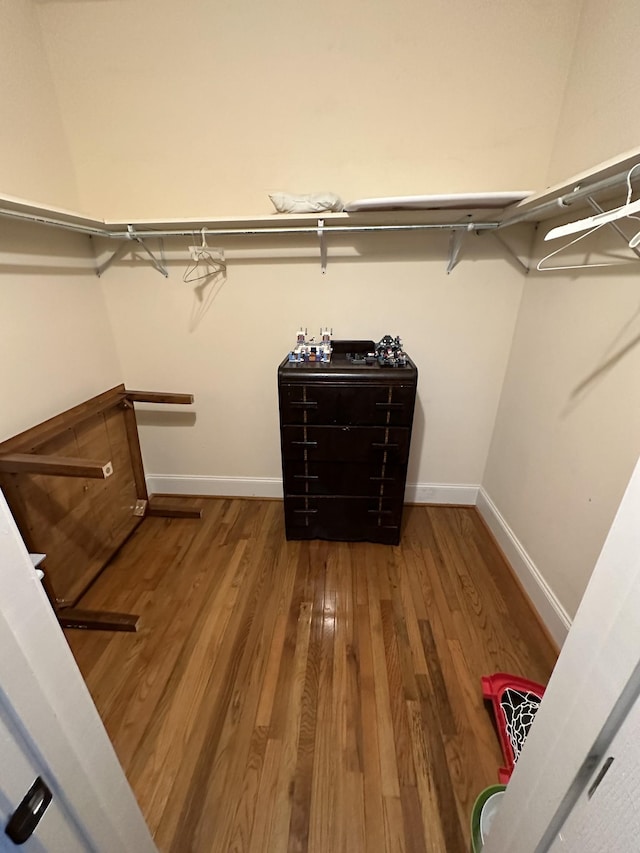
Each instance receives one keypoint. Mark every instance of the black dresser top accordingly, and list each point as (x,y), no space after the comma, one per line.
(342,368)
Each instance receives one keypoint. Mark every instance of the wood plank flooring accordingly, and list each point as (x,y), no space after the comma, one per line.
(307,696)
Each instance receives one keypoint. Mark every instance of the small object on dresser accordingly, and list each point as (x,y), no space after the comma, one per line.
(390,353)
(312,350)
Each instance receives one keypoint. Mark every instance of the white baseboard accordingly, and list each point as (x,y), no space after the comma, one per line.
(231,487)
(542,597)
(271,487)
(441,493)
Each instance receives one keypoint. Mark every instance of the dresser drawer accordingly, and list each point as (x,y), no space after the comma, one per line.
(346,518)
(343,443)
(344,478)
(342,403)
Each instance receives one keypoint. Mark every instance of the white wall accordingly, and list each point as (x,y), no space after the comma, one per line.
(56,346)
(35,161)
(599,116)
(567,431)
(202,109)
(458,329)
(567,428)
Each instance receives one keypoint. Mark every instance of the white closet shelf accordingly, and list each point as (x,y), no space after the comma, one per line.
(13,207)
(318,225)
(605,179)
(550,202)
(274,223)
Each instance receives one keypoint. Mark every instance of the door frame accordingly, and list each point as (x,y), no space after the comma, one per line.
(44,695)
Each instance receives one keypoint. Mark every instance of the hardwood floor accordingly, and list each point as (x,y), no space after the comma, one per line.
(307,696)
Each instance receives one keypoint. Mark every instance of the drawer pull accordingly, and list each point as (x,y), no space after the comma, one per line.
(303,404)
(305,511)
(383,479)
(305,443)
(381,511)
(306,477)
(383,444)
(390,405)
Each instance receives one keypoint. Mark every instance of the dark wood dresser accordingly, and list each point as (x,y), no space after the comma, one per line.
(345,433)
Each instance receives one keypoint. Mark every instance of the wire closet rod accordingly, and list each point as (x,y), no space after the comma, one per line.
(314,229)
(558,204)
(132,232)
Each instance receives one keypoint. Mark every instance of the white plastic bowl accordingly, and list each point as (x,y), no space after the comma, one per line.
(489,811)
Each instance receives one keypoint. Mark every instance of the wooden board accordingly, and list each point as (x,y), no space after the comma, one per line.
(77,522)
(76,487)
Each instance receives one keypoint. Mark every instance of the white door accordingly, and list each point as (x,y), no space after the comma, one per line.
(56,829)
(49,726)
(593,686)
(606,818)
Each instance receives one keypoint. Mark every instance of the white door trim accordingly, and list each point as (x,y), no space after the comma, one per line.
(43,692)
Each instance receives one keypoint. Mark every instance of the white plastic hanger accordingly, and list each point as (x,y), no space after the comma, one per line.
(592,222)
(596,221)
(541,268)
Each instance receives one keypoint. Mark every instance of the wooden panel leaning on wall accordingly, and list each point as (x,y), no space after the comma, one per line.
(76,487)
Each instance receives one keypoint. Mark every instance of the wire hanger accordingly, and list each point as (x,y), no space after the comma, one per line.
(205,261)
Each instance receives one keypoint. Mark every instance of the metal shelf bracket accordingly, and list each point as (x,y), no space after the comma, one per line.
(510,251)
(455,245)
(614,225)
(323,246)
